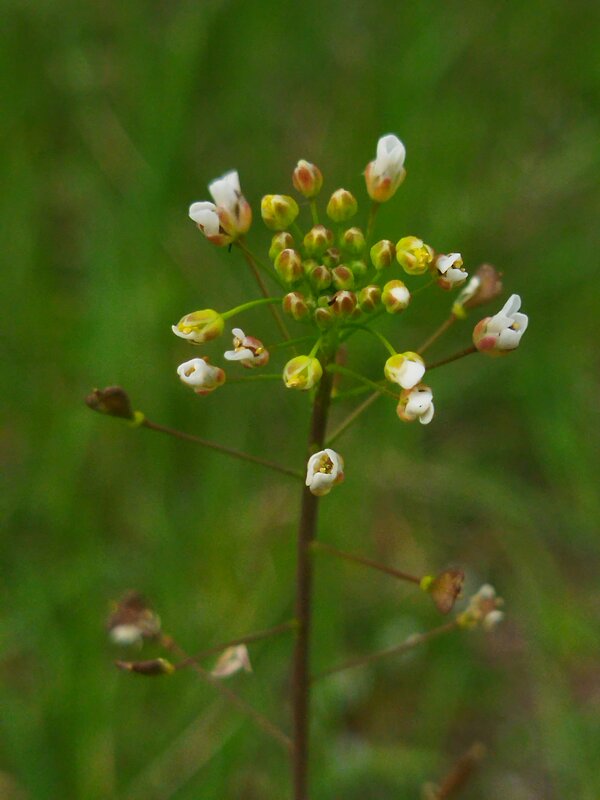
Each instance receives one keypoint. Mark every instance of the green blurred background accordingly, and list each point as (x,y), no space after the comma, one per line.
(116,116)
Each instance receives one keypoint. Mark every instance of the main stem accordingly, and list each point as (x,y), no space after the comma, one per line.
(306,534)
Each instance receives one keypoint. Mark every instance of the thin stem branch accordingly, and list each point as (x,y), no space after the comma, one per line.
(314,211)
(384,341)
(248,639)
(242,705)
(252,263)
(412,641)
(291,342)
(262,376)
(352,417)
(304,570)
(350,373)
(367,562)
(446,325)
(219,448)
(371,220)
(466,352)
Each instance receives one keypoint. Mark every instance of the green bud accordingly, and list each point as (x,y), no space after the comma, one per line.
(324,317)
(359,269)
(296,305)
(288,266)
(369,298)
(383,254)
(332,257)
(278,211)
(317,240)
(343,277)
(320,277)
(353,241)
(281,241)
(413,255)
(344,304)
(342,206)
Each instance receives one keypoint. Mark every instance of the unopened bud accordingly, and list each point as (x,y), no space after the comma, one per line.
(382,254)
(369,298)
(281,241)
(485,285)
(344,304)
(278,211)
(413,255)
(320,277)
(343,277)
(317,240)
(307,179)
(294,304)
(444,588)
(113,401)
(332,257)
(324,317)
(199,326)
(395,297)
(384,175)
(288,266)
(152,668)
(342,205)
(302,372)
(353,241)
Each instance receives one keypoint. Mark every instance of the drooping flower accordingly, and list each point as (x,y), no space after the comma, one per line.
(501,333)
(232,660)
(324,470)
(405,369)
(248,350)
(200,375)
(483,609)
(199,326)
(450,270)
(384,175)
(302,372)
(416,403)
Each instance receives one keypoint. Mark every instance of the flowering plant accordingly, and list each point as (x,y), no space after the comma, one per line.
(332,281)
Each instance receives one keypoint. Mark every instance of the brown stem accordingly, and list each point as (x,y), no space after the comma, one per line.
(408,644)
(228,451)
(242,705)
(263,288)
(371,220)
(461,771)
(395,573)
(352,417)
(248,639)
(306,534)
(436,334)
(466,352)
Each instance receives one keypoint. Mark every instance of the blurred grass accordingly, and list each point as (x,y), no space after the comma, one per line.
(117,117)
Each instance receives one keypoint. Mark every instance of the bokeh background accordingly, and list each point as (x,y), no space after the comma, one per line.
(116,116)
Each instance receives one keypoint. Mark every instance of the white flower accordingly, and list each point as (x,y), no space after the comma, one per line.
(450,270)
(232,660)
(249,351)
(405,369)
(503,331)
(200,375)
(226,191)
(324,470)
(229,216)
(385,174)
(206,218)
(416,403)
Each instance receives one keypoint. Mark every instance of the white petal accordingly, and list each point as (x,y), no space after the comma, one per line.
(443,263)
(456,275)
(401,295)
(410,373)
(191,336)
(125,634)
(321,483)
(238,333)
(225,191)
(231,661)
(205,215)
(239,355)
(390,155)
(426,418)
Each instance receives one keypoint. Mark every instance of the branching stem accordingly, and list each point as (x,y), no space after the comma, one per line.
(466,352)
(367,562)
(352,417)
(252,263)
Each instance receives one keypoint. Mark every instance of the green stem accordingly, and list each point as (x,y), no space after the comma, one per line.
(271,376)
(350,373)
(291,342)
(352,417)
(263,301)
(314,211)
(385,342)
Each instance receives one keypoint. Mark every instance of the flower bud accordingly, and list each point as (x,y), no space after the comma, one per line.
(405,369)
(353,241)
(483,609)
(344,304)
(302,372)
(307,179)
(113,401)
(250,352)
(199,326)
(416,403)
(359,268)
(232,660)
(413,255)
(343,277)
(382,254)
(501,333)
(295,305)
(288,266)
(132,620)
(233,210)
(369,298)
(450,271)
(332,257)
(395,297)
(320,277)
(205,215)
(342,206)
(324,470)
(384,175)
(278,211)
(324,317)
(444,588)
(203,377)
(317,240)
(281,241)
(152,668)
(485,285)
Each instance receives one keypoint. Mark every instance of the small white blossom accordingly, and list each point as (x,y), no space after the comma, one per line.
(250,352)
(450,270)
(405,369)
(503,331)
(200,375)
(324,470)
(232,660)
(416,403)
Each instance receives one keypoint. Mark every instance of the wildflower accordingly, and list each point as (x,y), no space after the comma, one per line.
(413,255)
(416,403)
(405,369)
(233,210)
(382,254)
(395,297)
(250,352)
(502,332)
(200,375)
(278,211)
(450,270)
(444,588)
(132,620)
(199,326)
(342,205)
(205,215)
(324,470)
(307,179)
(302,372)
(483,609)
(232,660)
(484,286)
(384,175)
